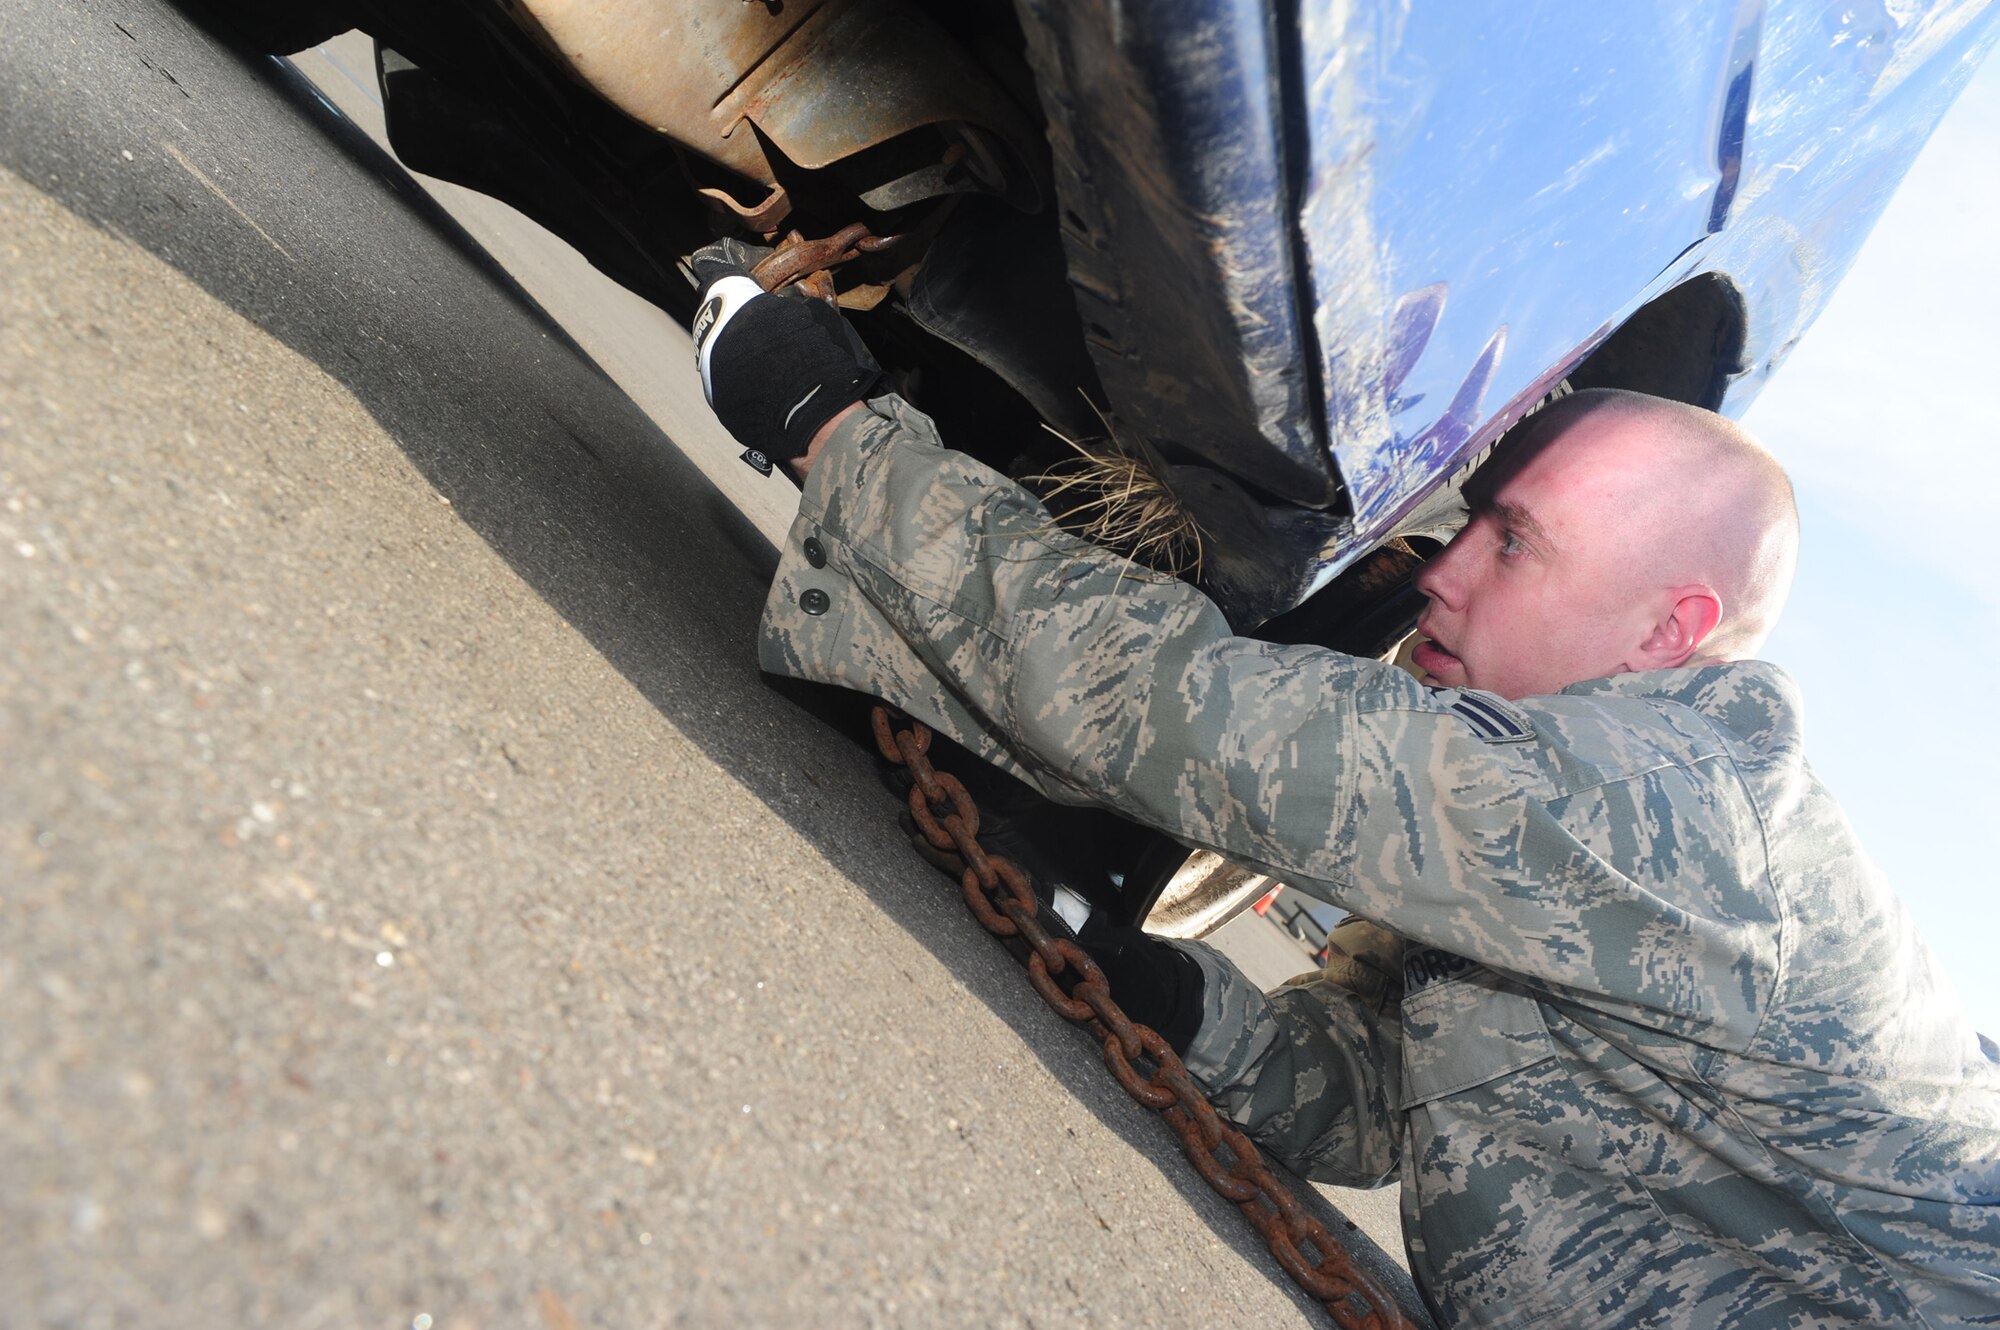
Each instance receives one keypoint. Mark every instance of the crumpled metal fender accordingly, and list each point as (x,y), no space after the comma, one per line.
(1167,130)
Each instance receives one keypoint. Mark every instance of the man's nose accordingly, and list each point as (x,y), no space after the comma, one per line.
(1437,577)
(1442,576)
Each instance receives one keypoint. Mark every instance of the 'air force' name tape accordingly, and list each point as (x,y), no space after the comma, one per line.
(1490,718)
(1424,966)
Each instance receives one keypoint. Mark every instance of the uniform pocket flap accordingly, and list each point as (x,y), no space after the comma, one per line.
(1467,1031)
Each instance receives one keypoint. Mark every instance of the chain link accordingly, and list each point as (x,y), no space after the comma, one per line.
(1003,899)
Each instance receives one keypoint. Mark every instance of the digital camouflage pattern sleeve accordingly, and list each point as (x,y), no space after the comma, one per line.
(1670,1053)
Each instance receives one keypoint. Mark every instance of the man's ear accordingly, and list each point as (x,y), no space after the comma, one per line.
(1677,638)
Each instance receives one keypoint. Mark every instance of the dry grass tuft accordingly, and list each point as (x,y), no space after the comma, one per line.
(1111,495)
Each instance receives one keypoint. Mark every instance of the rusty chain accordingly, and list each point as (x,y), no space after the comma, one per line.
(1002,898)
(796,258)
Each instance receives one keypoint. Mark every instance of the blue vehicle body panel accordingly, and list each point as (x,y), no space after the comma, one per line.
(1545,173)
(1334,247)
(1528,173)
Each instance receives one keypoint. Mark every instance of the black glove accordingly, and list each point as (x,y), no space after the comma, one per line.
(1155,983)
(728,257)
(774,368)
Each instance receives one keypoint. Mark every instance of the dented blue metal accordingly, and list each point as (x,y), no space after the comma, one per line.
(1386,229)
(1555,170)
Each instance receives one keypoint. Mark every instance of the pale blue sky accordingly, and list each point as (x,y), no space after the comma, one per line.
(1888,417)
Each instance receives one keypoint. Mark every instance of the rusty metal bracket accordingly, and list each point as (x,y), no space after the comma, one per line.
(1002,898)
(764,216)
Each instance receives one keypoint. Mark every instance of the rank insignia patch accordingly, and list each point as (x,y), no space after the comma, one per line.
(1490,718)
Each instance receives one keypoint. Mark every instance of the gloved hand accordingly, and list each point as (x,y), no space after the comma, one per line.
(774,368)
(1155,982)
(724,258)
(1367,961)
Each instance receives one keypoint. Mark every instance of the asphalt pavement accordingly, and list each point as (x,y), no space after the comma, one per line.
(415,908)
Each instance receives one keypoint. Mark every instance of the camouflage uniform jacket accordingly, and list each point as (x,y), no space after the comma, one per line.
(1670,1052)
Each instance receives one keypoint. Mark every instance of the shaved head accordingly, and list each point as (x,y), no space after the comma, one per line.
(1705,503)
(1614,532)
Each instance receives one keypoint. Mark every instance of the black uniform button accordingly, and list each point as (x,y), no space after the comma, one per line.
(815,552)
(814,601)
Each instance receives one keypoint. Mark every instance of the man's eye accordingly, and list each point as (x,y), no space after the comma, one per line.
(1510,544)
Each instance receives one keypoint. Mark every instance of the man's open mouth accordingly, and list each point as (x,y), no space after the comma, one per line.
(1431,657)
